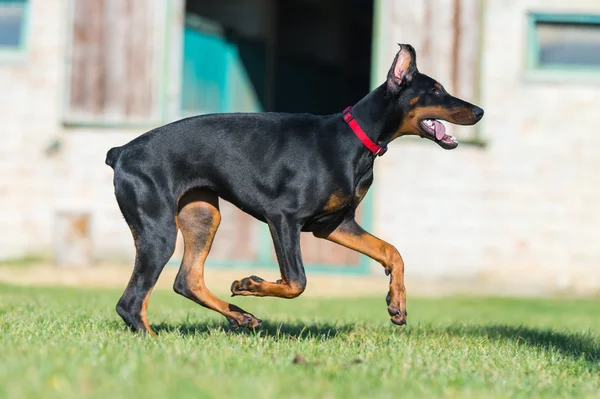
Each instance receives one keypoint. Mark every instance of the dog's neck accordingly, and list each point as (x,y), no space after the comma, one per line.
(378,115)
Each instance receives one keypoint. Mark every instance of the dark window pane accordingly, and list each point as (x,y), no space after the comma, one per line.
(569,44)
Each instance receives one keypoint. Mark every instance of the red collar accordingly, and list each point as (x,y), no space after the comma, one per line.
(377,150)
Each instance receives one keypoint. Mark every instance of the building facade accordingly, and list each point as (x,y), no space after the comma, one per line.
(514,204)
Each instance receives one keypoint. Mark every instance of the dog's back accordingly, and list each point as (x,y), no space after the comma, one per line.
(223,133)
(247,159)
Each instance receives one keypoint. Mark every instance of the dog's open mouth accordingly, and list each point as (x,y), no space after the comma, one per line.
(437,132)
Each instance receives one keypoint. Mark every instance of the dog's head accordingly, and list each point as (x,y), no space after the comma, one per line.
(423,102)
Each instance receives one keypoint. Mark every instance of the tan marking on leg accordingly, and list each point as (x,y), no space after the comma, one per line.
(198,219)
(144,316)
(384,253)
(280,289)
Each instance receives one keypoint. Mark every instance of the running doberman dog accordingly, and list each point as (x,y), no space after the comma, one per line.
(295,172)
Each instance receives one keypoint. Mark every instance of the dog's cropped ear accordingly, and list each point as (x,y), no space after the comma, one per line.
(403,68)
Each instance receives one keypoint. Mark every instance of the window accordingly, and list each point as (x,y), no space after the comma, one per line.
(12,24)
(564,42)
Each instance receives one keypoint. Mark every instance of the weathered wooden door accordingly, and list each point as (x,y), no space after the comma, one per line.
(115,59)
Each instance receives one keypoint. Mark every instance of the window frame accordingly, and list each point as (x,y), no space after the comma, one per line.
(10,53)
(71,119)
(533,48)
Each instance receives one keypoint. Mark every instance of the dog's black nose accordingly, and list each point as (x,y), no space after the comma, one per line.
(478,112)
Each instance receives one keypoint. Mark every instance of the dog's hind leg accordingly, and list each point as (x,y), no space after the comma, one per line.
(154,243)
(198,219)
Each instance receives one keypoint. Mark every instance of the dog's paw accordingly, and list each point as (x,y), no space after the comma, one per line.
(398,317)
(244,320)
(246,286)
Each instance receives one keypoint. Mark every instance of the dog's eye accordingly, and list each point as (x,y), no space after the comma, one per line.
(435,91)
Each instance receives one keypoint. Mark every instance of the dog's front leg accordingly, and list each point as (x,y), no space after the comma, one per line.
(351,235)
(286,238)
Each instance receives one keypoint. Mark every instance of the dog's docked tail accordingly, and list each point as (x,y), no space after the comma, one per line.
(112,156)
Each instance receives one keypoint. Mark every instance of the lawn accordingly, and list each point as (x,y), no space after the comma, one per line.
(62,343)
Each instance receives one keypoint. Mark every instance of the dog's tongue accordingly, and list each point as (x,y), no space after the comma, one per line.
(440,130)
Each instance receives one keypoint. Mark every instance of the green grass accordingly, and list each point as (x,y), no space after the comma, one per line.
(62,343)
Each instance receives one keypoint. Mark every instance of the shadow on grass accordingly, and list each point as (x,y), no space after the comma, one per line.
(268,329)
(575,345)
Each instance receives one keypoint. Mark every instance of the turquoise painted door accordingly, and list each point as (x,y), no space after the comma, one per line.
(214,77)
(205,59)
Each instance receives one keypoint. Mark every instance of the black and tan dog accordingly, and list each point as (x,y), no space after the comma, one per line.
(295,172)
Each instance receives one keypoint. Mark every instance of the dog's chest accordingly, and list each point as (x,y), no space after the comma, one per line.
(344,199)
